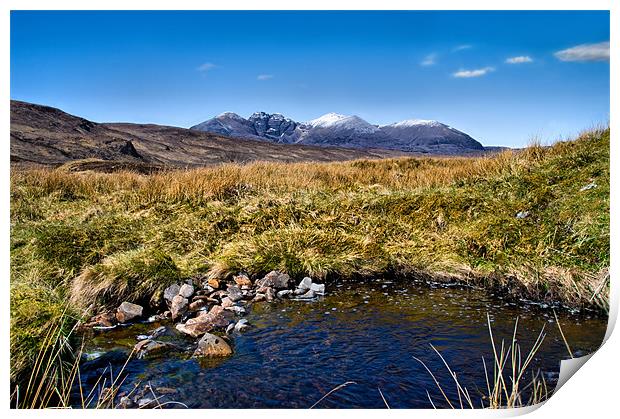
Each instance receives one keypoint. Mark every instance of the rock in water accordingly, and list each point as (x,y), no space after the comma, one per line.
(305,284)
(241,325)
(171,292)
(318,288)
(205,322)
(211,345)
(150,348)
(274,279)
(178,307)
(284,293)
(128,311)
(186,290)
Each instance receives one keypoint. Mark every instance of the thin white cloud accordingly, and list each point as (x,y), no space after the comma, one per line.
(585,52)
(264,77)
(206,67)
(521,59)
(430,59)
(467,74)
(461,47)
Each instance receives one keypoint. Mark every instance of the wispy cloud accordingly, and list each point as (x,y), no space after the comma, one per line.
(521,59)
(206,67)
(264,77)
(430,59)
(467,74)
(585,52)
(461,47)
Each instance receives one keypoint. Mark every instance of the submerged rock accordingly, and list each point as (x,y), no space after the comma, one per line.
(128,311)
(150,348)
(274,279)
(212,346)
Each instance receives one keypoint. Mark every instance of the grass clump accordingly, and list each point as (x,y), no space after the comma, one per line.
(95,239)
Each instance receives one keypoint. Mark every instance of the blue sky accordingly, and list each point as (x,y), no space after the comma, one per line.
(502,77)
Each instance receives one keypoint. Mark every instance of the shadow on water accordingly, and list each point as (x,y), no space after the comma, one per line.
(296,352)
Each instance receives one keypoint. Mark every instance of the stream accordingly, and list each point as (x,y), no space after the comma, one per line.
(295,352)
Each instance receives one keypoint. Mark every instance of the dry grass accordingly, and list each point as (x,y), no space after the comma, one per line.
(96,239)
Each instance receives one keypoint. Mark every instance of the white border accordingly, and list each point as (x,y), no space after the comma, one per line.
(592,393)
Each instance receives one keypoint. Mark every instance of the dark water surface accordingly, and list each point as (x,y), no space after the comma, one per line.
(297,351)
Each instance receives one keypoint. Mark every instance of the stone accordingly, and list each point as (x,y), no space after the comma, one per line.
(243,280)
(234,293)
(205,322)
(241,325)
(318,288)
(237,310)
(102,320)
(284,293)
(305,284)
(155,302)
(522,214)
(186,290)
(125,403)
(259,297)
(128,311)
(197,305)
(171,292)
(274,279)
(155,333)
(150,348)
(227,302)
(212,282)
(270,294)
(307,296)
(299,291)
(212,346)
(178,307)
(146,402)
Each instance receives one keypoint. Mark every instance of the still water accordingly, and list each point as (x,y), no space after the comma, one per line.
(296,352)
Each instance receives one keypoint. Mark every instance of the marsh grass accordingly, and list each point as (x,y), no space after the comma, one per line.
(96,239)
(508,384)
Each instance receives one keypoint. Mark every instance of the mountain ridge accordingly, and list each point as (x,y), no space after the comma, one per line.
(349,131)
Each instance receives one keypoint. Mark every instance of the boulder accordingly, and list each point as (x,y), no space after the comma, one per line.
(171,292)
(274,279)
(234,293)
(212,346)
(243,281)
(186,290)
(305,284)
(128,311)
(259,297)
(178,307)
(270,294)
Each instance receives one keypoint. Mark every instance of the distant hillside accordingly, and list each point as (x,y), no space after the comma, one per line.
(42,135)
(413,135)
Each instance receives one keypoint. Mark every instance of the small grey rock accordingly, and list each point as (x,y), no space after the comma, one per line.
(186,290)
(284,294)
(305,284)
(318,288)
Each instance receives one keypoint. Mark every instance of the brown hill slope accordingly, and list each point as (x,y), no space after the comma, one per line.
(41,135)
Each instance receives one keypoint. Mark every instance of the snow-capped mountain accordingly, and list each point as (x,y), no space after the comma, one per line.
(334,129)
